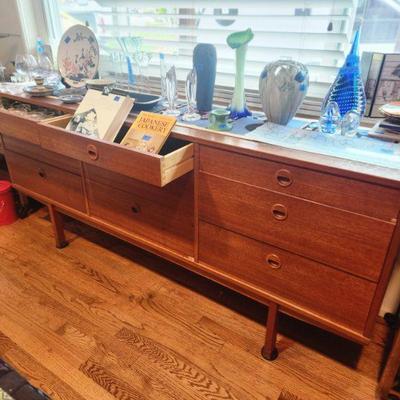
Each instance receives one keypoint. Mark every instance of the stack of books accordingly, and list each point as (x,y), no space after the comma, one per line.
(388,128)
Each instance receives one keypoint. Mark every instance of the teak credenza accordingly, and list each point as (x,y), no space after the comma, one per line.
(309,235)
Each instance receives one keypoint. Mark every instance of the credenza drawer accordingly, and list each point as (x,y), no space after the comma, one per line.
(46,180)
(37,153)
(339,238)
(163,215)
(156,169)
(348,194)
(18,127)
(323,290)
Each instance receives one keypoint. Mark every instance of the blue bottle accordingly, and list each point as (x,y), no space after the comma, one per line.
(348,90)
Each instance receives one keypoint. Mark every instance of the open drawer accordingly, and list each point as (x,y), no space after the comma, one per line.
(175,160)
(18,126)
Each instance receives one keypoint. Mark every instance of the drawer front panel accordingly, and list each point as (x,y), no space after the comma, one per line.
(161,215)
(36,152)
(46,180)
(150,168)
(331,293)
(19,127)
(352,195)
(349,241)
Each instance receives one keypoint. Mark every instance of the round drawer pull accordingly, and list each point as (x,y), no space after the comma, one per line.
(279,212)
(42,173)
(135,208)
(284,177)
(273,261)
(92,152)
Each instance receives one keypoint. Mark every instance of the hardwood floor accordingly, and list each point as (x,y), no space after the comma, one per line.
(101,319)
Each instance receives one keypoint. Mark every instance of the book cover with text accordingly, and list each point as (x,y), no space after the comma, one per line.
(149,132)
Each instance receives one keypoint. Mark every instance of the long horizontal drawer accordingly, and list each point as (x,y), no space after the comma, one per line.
(36,152)
(46,180)
(328,292)
(349,241)
(352,195)
(18,127)
(158,170)
(163,215)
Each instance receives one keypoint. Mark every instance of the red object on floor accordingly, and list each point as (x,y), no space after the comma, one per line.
(8,214)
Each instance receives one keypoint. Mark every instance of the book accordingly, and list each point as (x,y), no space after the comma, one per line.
(371,66)
(149,132)
(391,125)
(384,131)
(388,87)
(100,115)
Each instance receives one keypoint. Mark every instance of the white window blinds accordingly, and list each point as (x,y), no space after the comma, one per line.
(314,32)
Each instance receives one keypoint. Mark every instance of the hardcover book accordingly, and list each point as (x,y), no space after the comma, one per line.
(149,132)
(100,115)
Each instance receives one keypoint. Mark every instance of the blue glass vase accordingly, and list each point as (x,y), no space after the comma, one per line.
(348,90)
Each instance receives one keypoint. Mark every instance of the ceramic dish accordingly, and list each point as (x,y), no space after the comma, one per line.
(78,55)
(71,98)
(391,110)
(39,91)
(99,84)
(143,101)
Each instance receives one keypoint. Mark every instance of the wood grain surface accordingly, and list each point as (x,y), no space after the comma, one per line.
(349,241)
(101,319)
(319,288)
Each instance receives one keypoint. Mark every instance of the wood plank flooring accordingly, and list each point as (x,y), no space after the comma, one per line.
(101,319)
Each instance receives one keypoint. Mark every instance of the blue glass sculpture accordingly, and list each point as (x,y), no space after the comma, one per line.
(348,90)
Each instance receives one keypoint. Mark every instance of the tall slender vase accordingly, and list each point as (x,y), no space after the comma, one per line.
(239,42)
(205,64)
(348,90)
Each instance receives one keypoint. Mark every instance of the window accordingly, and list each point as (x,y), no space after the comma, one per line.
(315,32)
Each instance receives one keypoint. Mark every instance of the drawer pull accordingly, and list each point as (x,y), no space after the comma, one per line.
(92,152)
(42,173)
(284,177)
(279,212)
(135,209)
(273,261)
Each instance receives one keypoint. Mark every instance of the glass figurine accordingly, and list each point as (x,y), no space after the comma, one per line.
(350,124)
(170,86)
(191,87)
(329,121)
(348,90)
(239,42)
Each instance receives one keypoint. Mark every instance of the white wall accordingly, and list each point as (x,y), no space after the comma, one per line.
(10,23)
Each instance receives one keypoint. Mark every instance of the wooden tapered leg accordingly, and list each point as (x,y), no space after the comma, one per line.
(391,369)
(57,221)
(23,209)
(269,351)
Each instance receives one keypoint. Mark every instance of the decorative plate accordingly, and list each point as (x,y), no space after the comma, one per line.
(39,90)
(71,98)
(391,109)
(99,84)
(78,55)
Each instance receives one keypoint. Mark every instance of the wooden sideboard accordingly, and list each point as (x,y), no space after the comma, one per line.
(309,235)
